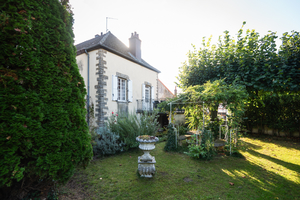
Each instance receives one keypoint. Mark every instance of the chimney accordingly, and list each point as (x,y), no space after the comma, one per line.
(135,45)
(175,91)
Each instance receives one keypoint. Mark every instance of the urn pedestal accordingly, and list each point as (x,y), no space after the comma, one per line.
(146,162)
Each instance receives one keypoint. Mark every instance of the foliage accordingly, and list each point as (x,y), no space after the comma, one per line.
(131,126)
(44,133)
(126,127)
(148,124)
(250,60)
(214,127)
(171,140)
(280,112)
(182,130)
(107,142)
(205,150)
(232,97)
(146,137)
(255,62)
(91,119)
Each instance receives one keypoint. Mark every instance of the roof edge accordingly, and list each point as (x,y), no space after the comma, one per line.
(98,46)
(166,87)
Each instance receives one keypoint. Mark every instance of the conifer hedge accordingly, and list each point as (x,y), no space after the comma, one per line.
(43,132)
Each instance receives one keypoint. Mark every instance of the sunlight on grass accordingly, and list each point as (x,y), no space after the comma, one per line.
(276,158)
(270,170)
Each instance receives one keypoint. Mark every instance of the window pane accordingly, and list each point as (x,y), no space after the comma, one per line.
(147,94)
(123,90)
(119,88)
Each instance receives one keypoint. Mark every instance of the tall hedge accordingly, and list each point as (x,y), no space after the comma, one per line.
(43,132)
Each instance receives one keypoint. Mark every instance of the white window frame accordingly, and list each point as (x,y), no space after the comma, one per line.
(148,102)
(118,91)
(122,89)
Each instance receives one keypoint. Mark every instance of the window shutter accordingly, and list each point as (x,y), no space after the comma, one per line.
(114,88)
(143,97)
(152,97)
(143,92)
(130,97)
(152,93)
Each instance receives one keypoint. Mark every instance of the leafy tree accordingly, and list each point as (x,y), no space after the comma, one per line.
(250,60)
(254,62)
(43,131)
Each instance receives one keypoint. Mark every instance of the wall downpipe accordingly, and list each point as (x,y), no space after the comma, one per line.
(88,90)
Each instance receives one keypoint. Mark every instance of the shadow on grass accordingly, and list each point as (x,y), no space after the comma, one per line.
(180,177)
(287,165)
(287,142)
(254,182)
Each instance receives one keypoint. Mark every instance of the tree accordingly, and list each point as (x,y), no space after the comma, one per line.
(256,63)
(250,60)
(43,132)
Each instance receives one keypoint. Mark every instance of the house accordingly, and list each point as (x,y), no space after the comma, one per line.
(163,92)
(117,78)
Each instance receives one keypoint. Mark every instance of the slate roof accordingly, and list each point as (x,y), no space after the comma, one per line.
(111,43)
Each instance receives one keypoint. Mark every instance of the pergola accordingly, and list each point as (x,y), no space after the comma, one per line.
(197,142)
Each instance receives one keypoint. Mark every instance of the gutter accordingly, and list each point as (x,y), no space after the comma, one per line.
(88,90)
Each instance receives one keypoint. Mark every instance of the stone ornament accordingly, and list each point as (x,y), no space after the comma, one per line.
(146,162)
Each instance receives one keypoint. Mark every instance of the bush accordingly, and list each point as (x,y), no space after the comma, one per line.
(205,150)
(171,141)
(44,134)
(132,126)
(148,124)
(127,128)
(183,130)
(107,142)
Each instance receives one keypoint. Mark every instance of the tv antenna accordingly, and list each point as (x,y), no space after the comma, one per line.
(107,22)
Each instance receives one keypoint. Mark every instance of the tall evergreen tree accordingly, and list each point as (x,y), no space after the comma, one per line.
(43,132)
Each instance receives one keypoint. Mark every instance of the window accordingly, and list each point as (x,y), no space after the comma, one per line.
(122,89)
(148,97)
(147,94)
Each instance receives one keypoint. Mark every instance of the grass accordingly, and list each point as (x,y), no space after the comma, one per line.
(270,170)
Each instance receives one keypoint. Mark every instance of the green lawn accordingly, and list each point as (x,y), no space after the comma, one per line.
(270,170)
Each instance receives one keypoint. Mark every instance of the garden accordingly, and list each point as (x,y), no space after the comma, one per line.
(48,151)
(268,169)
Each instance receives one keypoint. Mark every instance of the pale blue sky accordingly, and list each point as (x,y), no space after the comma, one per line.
(167,28)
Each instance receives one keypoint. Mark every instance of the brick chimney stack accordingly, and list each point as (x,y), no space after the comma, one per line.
(175,91)
(135,45)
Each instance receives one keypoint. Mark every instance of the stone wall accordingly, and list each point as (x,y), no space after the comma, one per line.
(101,91)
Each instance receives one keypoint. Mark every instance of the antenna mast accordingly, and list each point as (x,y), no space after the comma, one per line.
(107,22)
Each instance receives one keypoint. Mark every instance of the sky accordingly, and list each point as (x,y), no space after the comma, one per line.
(168,28)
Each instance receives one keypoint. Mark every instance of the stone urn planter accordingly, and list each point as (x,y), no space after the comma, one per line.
(146,162)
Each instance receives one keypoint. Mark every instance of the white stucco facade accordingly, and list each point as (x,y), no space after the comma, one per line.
(115,65)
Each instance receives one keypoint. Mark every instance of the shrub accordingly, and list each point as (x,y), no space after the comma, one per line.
(44,134)
(205,150)
(107,142)
(171,140)
(131,126)
(148,124)
(127,128)
(183,130)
